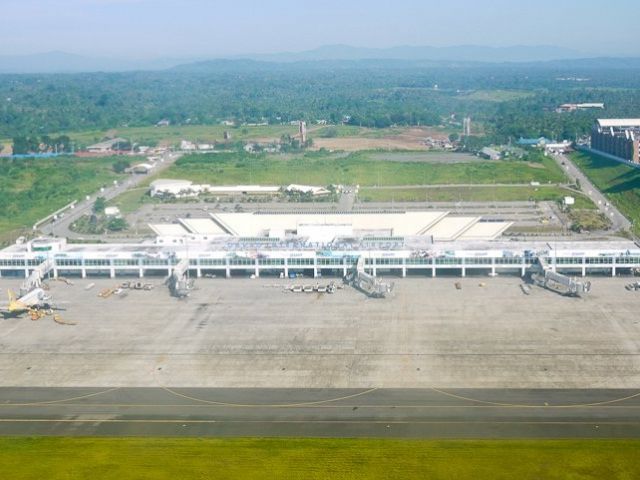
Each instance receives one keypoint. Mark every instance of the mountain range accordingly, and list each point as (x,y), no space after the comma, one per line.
(405,56)
(464,53)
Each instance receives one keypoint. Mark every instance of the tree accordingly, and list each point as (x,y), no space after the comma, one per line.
(117,224)
(25,145)
(120,166)
(99,205)
(454,137)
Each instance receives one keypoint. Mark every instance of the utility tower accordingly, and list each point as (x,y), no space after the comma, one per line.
(466,127)
(303,132)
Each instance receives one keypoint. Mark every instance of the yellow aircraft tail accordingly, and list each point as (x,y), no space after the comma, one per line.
(14,305)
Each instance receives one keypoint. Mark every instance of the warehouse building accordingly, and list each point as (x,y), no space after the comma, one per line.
(619,138)
(108,146)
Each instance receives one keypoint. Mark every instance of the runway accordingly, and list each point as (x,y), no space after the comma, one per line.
(394,413)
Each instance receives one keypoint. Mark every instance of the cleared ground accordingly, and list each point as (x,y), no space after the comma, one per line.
(249,333)
(351,139)
(357,169)
(126,458)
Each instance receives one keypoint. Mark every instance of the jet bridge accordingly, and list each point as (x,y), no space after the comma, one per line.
(34,280)
(544,277)
(366,282)
(179,283)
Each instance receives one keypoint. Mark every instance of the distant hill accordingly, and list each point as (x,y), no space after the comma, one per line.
(598,63)
(329,57)
(62,62)
(565,66)
(467,53)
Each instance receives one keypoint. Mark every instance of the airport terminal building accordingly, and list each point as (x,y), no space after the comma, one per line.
(323,244)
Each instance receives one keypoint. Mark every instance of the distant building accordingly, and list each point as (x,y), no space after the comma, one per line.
(186,188)
(108,146)
(112,211)
(561,147)
(142,168)
(175,188)
(259,147)
(490,153)
(617,137)
(310,189)
(533,142)
(187,146)
(163,123)
(572,107)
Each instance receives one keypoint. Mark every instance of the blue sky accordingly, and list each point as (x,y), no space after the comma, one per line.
(201,28)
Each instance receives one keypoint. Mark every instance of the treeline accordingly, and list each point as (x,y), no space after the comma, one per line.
(371,95)
(536,116)
(43,144)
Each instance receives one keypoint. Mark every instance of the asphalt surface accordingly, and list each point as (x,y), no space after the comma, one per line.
(618,221)
(404,413)
(61,227)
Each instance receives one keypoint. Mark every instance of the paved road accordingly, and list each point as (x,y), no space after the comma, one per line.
(347,200)
(61,227)
(619,221)
(460,185)
(410,413)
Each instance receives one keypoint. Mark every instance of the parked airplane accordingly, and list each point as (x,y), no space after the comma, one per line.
(36,303)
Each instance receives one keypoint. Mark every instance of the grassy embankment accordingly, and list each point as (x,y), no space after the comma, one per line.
(246,459)
(174,134)
(619,182)
(496,95)
(365,169)
(31,189)
(474,194)
(356,168)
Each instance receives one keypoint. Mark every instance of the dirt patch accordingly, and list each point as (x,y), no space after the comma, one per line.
(536,165)
(408,139)
(428,157)
(7,149)
(355,144)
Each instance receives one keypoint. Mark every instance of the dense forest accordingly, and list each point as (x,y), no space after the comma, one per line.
(509,100)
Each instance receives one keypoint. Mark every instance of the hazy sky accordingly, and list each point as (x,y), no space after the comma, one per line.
(197,28)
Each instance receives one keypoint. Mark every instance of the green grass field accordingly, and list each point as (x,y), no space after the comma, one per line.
(174,134)
(354,169)
(619,182)
(33,188)
(132,200)
(364,132)
(310,459)
(473,194)
(496,95)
